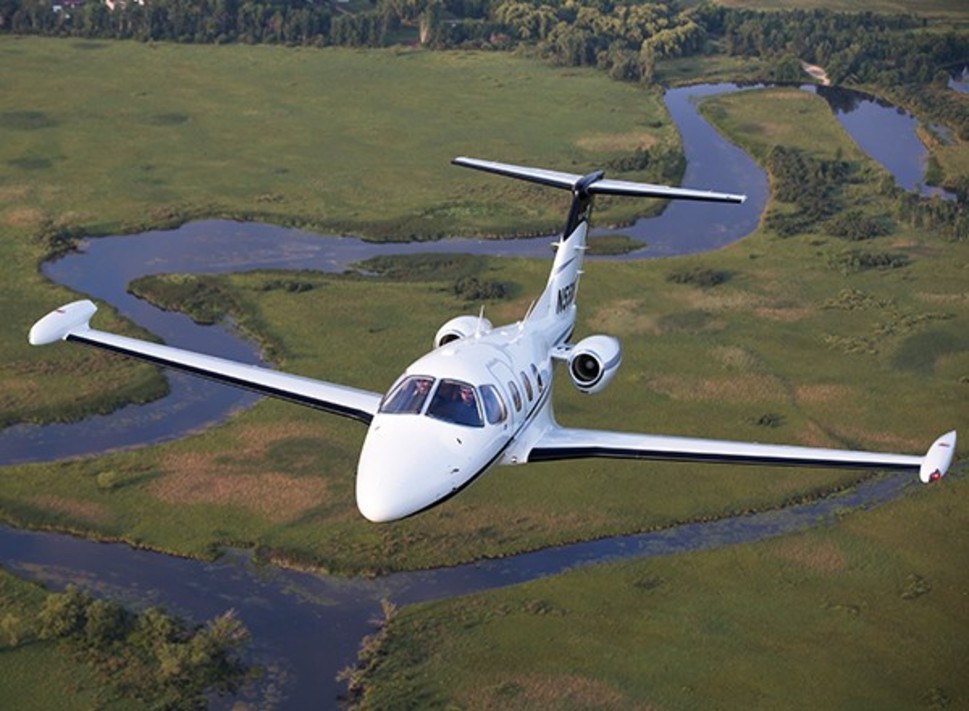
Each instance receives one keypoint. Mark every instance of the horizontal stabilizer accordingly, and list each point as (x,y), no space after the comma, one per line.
(595,184)
(60,323)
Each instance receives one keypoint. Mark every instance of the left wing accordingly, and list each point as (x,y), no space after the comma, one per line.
(70,323)
(565,443)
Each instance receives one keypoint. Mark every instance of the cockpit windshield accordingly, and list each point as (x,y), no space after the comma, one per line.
(409,396)
(456,402)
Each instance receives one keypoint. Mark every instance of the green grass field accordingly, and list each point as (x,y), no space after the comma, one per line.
(342,139)
(867,613)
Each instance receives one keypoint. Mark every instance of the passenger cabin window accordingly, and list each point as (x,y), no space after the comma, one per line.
(408,397)
(515,395)
(538,379)
(455,402)
(528,386)
(494,406)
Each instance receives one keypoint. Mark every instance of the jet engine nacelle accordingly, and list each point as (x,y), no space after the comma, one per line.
(461,327)
(593,362)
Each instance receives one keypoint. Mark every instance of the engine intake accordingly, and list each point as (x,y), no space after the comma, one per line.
(461,327)
(593,363)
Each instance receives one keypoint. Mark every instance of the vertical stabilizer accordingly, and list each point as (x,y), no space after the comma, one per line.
(556,305)
(557,302)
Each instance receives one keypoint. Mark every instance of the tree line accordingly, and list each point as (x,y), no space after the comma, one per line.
(573,32)
(151,656)
(895,53)
(200,21)
(624,38)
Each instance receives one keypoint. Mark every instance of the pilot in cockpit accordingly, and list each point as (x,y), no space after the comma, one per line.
(455,402)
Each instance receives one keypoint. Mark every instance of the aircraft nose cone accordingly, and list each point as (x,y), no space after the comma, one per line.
(377,506)
(394,474)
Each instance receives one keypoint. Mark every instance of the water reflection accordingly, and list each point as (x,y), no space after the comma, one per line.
(885,132)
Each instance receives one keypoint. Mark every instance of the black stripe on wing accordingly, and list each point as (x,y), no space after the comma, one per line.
(551,454)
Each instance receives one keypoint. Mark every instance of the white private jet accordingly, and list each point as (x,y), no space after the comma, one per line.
(482,396)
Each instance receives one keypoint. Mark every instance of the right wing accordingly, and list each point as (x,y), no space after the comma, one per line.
(566,443)
(70,323)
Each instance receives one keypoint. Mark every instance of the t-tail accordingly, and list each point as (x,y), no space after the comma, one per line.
(557,302)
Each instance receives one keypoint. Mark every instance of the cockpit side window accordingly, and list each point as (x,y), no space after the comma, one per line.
(408,397)
(494,406)
(455,401)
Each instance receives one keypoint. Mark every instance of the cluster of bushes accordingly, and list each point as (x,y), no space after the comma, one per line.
(948,217)
(698,276)
(635,161)
(667,161)
(57,238)
(473,289)
(201,298)
(855,260)
(812,184)
(152,656)
(293,286)
(855,226)
(371,654)
(422,267)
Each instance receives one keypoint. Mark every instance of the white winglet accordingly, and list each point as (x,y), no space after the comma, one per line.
(938,458)
(56,325)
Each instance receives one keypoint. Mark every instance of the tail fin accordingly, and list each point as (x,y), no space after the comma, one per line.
(558,300)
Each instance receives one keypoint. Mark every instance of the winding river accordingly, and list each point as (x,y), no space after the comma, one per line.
(307,626)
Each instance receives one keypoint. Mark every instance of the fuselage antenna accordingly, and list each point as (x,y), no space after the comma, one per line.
(477,330)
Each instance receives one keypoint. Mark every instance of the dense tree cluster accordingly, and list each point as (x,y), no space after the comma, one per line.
(667,162)
(201,297)
(471,288)
(219,21)
(152,656)
(950,218)
(854,225)
(810,183)
(891,51)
